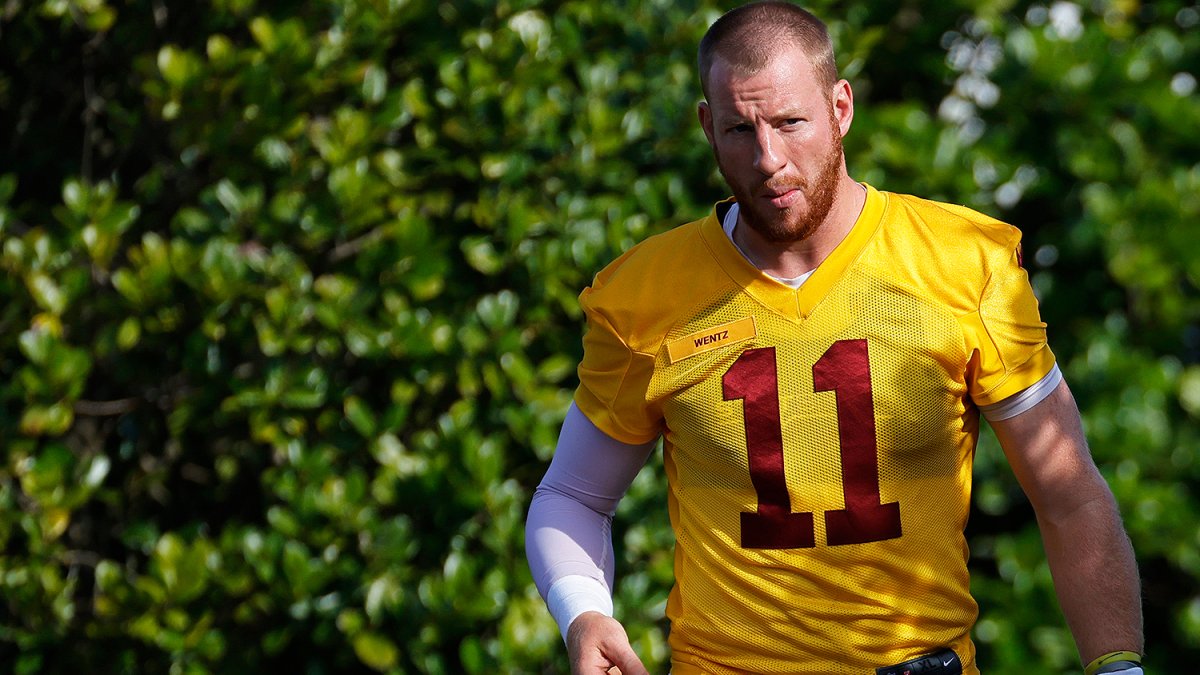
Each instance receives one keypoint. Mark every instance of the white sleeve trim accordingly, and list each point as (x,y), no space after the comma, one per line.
(1023,400)
(573,595)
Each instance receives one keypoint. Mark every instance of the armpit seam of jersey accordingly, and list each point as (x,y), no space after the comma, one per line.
(987,332)
(987,283)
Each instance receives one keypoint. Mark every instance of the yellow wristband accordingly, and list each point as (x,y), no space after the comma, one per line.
(1105,659)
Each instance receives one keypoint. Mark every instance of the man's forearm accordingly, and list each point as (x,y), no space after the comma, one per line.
(1095,577)
(568,539)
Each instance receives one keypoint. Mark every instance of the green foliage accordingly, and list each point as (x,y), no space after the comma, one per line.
(289,318)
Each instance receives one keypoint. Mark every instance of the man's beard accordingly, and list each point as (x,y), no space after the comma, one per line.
(790,225)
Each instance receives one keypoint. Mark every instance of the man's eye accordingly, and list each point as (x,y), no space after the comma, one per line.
(792,121)
(740,128)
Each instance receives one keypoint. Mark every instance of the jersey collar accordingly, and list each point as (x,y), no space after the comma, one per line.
(795,304)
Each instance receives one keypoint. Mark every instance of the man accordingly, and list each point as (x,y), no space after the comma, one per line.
(815,355)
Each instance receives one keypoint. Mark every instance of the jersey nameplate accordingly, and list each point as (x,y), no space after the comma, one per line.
(711,338)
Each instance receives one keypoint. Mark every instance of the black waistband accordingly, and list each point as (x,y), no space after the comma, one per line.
(942,662)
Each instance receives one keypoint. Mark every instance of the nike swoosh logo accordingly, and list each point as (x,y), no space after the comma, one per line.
(947,662)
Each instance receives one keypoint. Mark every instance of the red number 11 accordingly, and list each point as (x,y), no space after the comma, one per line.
(845,370)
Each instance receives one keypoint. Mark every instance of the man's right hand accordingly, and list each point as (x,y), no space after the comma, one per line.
(596,644)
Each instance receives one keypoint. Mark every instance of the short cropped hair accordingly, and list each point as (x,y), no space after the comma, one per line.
(747,37)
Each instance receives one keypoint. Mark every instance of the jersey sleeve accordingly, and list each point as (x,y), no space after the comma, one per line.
(1006,338)
(613,376)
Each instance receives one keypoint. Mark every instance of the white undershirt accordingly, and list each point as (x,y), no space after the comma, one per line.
(730,223)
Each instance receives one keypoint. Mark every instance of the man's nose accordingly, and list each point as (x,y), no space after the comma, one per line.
(767,156)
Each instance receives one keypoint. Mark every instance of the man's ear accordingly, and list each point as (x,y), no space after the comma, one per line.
(704,112)
(842,99)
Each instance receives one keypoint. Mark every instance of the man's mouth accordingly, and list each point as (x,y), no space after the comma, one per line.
(782,198)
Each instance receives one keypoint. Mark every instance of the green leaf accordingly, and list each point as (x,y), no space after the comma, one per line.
(482,255)
(100,19)
(264,33)
(498,310)
(1189,390)
(45,475)
(177,66)
(74,195)
(8,186)
(36,344)
(391,453)
(374,85)
(230,197)
(103,237)
(376,651)
(127,284)
(53,420)
(296,567)
(359,416)
(98,468)
(108,576)
(350,621)
(220,50)
(129,333)
(46,293)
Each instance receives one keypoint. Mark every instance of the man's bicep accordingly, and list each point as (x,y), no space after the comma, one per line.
(1005,338)
(1046,448)
(591,466)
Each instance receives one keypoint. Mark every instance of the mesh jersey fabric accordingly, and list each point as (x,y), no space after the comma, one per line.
(818,442)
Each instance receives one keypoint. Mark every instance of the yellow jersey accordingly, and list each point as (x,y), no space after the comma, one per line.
(818,441)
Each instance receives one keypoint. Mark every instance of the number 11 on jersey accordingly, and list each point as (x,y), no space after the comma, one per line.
(845,370)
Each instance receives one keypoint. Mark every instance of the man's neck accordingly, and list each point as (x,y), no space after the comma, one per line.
(792,259)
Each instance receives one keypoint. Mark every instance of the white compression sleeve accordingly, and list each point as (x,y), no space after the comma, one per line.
(568,530)
(1023,400)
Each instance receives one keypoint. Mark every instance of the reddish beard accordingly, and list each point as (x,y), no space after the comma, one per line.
(791,224)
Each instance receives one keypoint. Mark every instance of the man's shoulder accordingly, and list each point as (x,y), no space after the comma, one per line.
(961,225)
(646,288)
(945,250)
(663,260)
(662,253)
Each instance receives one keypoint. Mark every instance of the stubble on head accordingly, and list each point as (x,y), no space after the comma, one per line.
(747,37)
